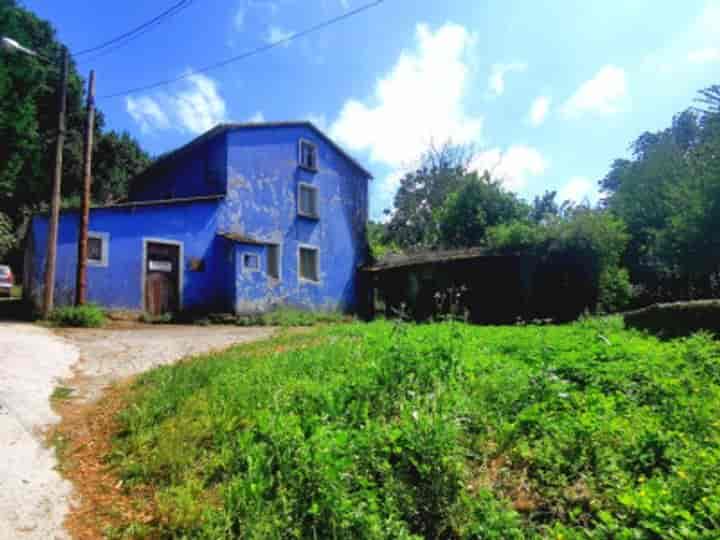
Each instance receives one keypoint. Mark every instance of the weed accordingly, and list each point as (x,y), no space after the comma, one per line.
(87,316)
(390,430)
(62,393)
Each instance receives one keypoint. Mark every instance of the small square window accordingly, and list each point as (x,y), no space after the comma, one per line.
(273,261)
(309,264)
(308,200)
(97,249)
(308,157)
(251,261)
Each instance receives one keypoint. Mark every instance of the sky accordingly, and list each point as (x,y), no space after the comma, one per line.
(548,94)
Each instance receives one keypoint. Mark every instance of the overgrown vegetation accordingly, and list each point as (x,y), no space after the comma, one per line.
(86,316)
(436,431)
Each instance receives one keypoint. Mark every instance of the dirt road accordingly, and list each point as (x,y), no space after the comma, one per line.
(34,498)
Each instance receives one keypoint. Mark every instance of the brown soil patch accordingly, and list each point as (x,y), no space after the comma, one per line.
(83,440)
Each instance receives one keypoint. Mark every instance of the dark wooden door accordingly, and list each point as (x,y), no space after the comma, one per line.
(162,278)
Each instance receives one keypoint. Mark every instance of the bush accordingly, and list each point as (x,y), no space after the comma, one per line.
(616,291)
(677,318)
(87,316)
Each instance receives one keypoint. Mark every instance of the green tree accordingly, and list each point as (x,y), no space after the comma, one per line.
(118,158)
(668,196)
(423,191)
(28,127)
(477,205)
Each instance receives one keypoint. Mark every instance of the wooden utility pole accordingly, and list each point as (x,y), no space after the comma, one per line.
(49,290)
(81,278)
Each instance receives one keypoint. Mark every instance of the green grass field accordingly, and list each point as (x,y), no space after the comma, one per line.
(434,431)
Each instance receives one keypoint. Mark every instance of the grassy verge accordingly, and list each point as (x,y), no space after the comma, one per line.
(434,431)
(87,316)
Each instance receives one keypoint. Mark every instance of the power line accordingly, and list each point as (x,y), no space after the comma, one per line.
(138,30)
(250,53)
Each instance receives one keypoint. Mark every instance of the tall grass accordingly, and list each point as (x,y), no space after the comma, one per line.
(435,431)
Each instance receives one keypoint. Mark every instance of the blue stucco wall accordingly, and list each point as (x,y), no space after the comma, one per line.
(257,170)
(119,285)
(261,201)
(200,171)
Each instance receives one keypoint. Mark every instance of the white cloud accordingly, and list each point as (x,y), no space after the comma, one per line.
(419,100)
(513,167)
(147,113)
(577,190)
(345,4)
(200,107)
(496,82)
(275,34)
(195,108)
(704,56)
(539,110)
(257,118)
(605,93)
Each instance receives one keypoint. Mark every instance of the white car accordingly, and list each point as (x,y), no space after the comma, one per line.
(6,280)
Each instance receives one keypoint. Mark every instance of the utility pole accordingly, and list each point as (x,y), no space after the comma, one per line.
(81,281)
(57,181)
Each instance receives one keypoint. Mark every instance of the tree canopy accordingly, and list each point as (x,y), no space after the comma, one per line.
(28,127)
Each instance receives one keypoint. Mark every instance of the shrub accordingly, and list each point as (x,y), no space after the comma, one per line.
(616,291)
(677,318)
(86,316)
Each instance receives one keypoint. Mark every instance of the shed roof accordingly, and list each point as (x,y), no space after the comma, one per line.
(426,257)
(220,129)
(245,239)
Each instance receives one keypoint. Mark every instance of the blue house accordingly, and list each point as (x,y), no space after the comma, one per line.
(242,218)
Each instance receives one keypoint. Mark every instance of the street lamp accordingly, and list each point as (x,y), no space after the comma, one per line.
(11,45)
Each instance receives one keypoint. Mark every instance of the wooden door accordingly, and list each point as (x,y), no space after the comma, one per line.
(162,278)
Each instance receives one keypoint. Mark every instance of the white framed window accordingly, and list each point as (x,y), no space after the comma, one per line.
(308,200)
(307,155)
(251,262)
(273,261)
(309,263)
(98,249)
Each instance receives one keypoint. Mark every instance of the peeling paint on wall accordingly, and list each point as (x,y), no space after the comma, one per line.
(257,170)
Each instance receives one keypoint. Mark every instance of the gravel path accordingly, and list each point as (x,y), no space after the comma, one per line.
(34,498)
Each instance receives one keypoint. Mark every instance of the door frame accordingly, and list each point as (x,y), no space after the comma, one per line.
(181,269)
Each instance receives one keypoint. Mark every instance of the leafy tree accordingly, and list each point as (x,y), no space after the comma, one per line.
(479,204)
(28,127)
(544,207)
(441,172)
(669,197)
(7,235)
(118,158)
(380,244)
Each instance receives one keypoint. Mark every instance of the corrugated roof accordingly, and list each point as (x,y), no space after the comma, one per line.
(245,239)
(220,129)
(425,257)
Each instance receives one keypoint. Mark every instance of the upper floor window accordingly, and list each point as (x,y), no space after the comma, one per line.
(307,200)
(97,249)
(308,155)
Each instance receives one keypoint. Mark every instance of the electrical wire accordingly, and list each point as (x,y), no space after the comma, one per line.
(248,54)
(128,36)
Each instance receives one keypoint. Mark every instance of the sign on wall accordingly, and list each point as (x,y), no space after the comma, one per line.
(160,266)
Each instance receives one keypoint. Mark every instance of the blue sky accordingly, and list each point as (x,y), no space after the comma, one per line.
(549,93)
